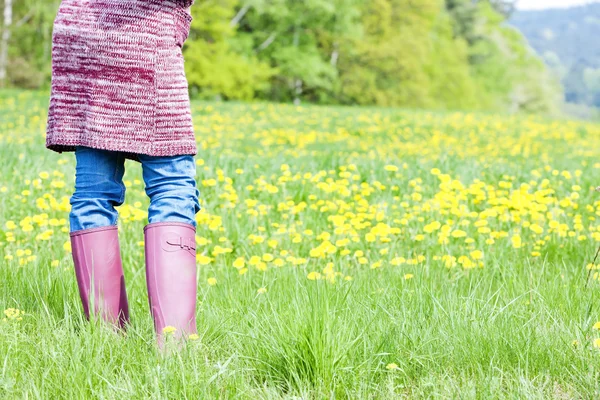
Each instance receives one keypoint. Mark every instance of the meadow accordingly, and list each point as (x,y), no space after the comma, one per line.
(343,253)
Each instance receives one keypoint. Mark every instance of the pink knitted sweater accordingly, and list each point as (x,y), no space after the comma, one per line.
(118,79)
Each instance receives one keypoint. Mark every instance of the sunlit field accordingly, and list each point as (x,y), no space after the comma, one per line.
(342,253)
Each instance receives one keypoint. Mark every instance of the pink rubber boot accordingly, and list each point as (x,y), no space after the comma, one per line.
(99,271)
(171,278)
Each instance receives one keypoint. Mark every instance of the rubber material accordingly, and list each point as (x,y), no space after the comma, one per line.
(171,275)
(99,271)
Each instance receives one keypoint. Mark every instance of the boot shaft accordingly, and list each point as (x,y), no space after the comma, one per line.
(99,272)
(171,276)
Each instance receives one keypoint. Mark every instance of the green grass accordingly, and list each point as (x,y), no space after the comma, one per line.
(502,329)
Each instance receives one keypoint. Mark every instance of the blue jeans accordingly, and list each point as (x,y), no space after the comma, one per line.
(170,185)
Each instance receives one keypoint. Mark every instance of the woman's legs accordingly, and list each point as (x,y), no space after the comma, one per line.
(169,237)
(94,234)
(99,188)
(170,243)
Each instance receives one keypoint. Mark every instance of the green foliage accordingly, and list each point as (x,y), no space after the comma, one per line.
(299,38)
(29,64)
(452,54)
(507,73)
(440,54)
(448,69)
(464,19)
(385,65)
(213,67)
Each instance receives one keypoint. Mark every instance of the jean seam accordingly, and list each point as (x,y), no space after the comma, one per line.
(120,162)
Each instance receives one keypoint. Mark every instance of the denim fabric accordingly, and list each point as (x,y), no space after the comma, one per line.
(170,185)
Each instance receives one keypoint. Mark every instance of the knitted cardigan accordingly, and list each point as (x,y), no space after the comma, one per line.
(118,79)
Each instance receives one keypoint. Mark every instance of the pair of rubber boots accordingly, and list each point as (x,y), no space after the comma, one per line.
(170,251)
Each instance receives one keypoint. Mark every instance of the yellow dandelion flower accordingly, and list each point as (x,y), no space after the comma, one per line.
(398,261)
(169,329)
(429,228)
(278,262)
(458,233)
(314,276)
(536,229)
(516,241)
(203,260)
(261,266)
(212,281)
(239,262)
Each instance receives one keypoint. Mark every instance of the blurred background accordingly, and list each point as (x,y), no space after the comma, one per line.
(506,56)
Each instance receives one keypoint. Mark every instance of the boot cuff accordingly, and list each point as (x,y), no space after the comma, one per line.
(93,230)
(159,224)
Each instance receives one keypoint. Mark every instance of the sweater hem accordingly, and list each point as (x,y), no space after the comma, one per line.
(130,150)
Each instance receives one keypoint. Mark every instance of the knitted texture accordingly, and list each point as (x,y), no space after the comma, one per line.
(118,79)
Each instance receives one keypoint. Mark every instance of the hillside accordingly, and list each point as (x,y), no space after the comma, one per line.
(567,39)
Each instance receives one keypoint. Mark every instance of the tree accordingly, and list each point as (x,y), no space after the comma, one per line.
(26,43)
(408,56)
(301,38)
(464,19)
(504,7)
(215,67)
(4,38)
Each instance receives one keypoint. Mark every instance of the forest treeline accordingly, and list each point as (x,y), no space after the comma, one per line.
(435,54)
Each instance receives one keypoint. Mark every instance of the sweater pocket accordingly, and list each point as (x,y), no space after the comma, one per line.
(182,21)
